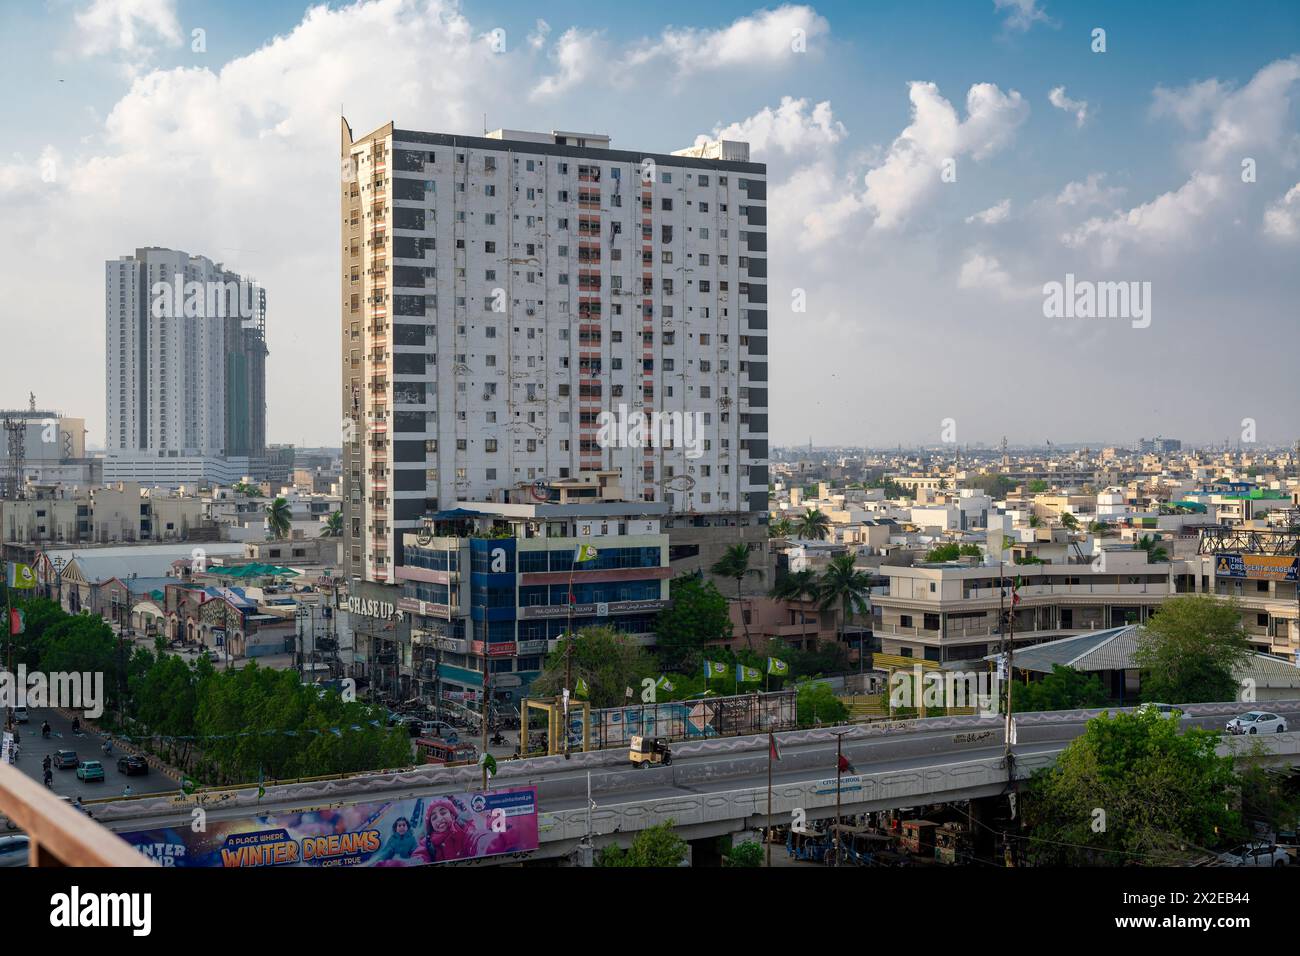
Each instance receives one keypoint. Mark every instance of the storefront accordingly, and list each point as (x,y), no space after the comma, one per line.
(382,638)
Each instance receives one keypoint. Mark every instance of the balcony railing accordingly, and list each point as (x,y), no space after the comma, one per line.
(60,835)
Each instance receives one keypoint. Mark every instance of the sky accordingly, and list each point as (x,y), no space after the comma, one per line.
(934,167)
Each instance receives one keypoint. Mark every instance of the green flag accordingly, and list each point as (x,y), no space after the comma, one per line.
(747,675)
(488,763)
(586,552)
(714,669)
(663,683)
(583,689)
(20,576)
(777,666)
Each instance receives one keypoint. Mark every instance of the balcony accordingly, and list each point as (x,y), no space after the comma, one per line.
(60,835)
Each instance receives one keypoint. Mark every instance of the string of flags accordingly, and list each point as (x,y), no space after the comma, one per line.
(744,673)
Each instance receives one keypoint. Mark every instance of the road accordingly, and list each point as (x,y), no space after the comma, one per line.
(563,787)
(88,747)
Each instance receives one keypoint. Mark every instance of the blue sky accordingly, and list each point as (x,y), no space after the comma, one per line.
(911,306)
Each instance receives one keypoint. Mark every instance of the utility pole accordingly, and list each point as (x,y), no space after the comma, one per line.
(839,773)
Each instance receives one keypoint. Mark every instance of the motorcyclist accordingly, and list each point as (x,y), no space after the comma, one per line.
(108,746)
(45,729)
(76,725)
(49,778)
(46,764)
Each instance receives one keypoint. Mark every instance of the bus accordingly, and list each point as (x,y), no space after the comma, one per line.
(438,751)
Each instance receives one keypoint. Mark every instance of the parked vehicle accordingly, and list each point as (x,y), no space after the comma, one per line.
(90,770)
(14,850)
(1256,854)
(21,715)
(1257,722)
(132,765)
(918,837)
(65,759)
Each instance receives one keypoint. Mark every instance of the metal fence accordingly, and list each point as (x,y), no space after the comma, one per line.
(691,719)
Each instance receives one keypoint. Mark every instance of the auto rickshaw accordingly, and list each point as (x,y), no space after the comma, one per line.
(649,750)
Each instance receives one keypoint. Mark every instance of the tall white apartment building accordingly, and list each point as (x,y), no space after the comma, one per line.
(500,292)
(185,353)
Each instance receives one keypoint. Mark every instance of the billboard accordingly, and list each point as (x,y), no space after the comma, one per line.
(1260,567)
(420,831)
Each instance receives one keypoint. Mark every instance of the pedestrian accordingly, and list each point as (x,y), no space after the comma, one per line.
(126,791)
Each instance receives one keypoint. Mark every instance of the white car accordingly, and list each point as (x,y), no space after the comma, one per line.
(1256,854)
(21,716)
(1257,722)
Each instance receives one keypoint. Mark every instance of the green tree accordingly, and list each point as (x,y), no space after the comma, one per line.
(734,564)
(943,552)
(1161,793)
(605,658)
(1069,522)
(995,486)
(697,617)
(780,528)
(749,854)
(813,524)
(798,587)
(1063,689)
(817,704)
(844,585)
(1037,486)
(278,518)
(1188,651)
(656,846)
(1156,554)
(333,525)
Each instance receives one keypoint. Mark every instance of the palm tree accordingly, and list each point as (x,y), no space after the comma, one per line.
(333,525)
(813,524)
(1156,554)
(278,518)
(1069,522)
(780,528)
(844,584)
(734,563)
(799,586)
(1102,529)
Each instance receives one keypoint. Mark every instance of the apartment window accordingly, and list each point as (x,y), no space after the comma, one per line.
(489,190)
(489,246)
(462,444)
(490,445)
(666,205)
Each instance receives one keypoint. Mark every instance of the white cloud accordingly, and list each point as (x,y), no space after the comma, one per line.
(993,215)
(577,54)
(984,273)
(1282,218)
(537,39)
(1255,117)
(1079,108)
(911,170)
(1021,14)
(1172,217)
(1088,192)
(765,38)
(790,128)
(129,27)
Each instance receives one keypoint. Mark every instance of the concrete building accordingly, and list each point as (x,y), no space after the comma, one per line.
(44,448)
(488,585)
(499,293)
(119,513)
(185,348)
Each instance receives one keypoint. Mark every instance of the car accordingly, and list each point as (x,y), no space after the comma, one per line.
(89,770)
(1256,854)
(14,850)
(21,715)
(1168,711)
(65,759)
(1257,722)
(132,764)
(435,728)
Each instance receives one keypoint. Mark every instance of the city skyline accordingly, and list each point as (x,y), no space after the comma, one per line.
(921,296)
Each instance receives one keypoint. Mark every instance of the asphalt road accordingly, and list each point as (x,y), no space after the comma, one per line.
(33,749)
(888,752)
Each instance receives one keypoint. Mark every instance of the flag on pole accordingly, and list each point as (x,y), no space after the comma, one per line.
(1011,734)
(844,766)
(747,675)
(582,689)
(627,692)
(663,683)
(1015,587)
(772,749)
(778,667)
(714,669)
(17,621)
(20,575)
(586,552)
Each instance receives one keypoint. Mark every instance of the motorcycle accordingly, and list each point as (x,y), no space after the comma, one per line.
(45,730)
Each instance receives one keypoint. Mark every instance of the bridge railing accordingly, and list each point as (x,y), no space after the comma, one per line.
(60,835)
